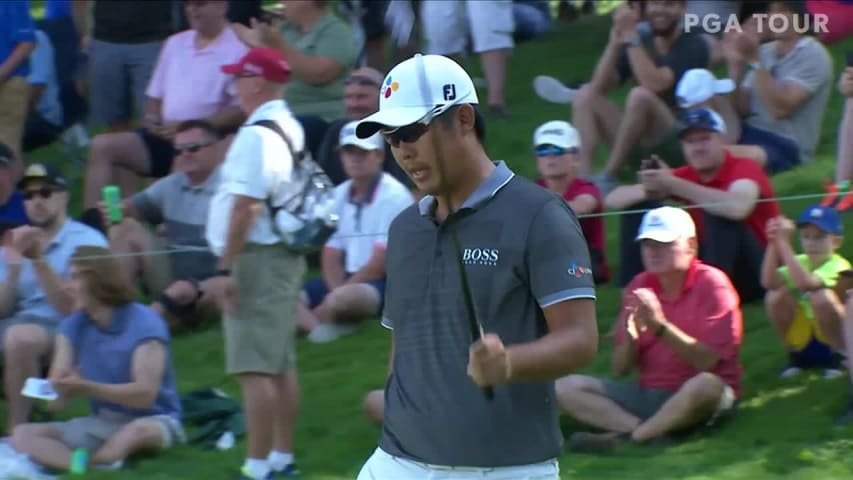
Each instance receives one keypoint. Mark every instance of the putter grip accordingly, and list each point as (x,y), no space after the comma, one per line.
(112,200)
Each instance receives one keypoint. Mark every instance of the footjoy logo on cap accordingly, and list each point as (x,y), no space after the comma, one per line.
(390,86)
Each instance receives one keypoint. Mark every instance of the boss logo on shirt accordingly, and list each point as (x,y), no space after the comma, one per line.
(481,256)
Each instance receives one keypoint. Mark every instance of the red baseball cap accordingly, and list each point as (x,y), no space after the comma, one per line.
(265,62)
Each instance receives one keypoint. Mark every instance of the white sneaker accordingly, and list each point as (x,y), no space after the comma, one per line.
(552,90)
(329,332)
(830,373)
(791,372)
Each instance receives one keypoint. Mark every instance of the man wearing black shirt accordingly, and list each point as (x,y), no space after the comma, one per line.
(124,41)
(655,58)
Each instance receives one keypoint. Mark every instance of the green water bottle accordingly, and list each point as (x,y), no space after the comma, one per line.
(112,200)
(79,461)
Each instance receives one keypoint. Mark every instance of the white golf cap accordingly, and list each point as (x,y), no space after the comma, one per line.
(698,85)
(415,88)
(558,133)
(348,137)
(666,224)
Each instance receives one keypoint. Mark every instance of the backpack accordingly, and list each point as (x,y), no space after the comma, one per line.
(211,413)
(304,220)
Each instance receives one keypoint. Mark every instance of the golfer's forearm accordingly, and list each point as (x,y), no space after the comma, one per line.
(552,356)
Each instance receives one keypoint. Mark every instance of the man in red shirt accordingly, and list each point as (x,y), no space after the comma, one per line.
(733,196)
(557,145)
(681,327)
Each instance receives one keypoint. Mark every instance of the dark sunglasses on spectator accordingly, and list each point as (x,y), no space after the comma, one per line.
(191,148)
(43,192)
(407,134)
(360,80)
(548,150)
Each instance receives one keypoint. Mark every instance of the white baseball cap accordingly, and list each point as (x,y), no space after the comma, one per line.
(666,224)
(697,85)
(348,137)
(558,133)
(417,89)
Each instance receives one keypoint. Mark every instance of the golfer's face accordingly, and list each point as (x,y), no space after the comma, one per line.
(413,147)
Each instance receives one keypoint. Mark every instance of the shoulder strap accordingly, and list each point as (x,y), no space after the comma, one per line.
(275,127)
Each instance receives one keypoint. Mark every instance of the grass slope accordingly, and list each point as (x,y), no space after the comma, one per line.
(783,429)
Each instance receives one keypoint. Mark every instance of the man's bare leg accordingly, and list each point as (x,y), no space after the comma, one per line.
(694,402)
(584,398)
(494,67)
(844,163)
(286,412)
(597,119)
(131,238)
(24,347)
(647,121)
(108,152)
(259,405)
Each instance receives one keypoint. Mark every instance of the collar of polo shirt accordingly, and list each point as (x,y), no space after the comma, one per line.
(484,192)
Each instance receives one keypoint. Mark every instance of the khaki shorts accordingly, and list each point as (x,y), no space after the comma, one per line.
(92,432)
(260,334)
(14,93)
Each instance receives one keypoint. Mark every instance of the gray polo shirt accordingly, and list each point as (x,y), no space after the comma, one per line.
(523,250)
(809,65)
(183,209)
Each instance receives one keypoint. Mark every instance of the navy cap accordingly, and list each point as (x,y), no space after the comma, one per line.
(46,173)
(824,218)
(701,119)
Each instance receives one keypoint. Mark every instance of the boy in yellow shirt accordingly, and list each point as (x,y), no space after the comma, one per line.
(801,302)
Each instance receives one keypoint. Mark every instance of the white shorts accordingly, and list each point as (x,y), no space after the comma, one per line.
(447,24)
(382,466)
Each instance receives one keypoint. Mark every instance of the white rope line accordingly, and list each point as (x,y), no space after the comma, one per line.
(188,249)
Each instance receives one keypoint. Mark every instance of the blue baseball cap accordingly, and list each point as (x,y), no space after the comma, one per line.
(824,218)
(700,119)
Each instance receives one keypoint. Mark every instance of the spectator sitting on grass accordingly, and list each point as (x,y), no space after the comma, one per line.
(733,198)
(361,98)
(557,144)
(178,203)
(352,286)
(680,326)
(186,84)
(36,258)
(655,59)
(116,353)
(801,303)
(783,87)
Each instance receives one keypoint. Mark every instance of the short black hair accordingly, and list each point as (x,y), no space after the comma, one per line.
(202,125)
(479,120)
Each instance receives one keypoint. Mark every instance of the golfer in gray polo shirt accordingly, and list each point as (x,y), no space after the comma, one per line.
(528,266)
